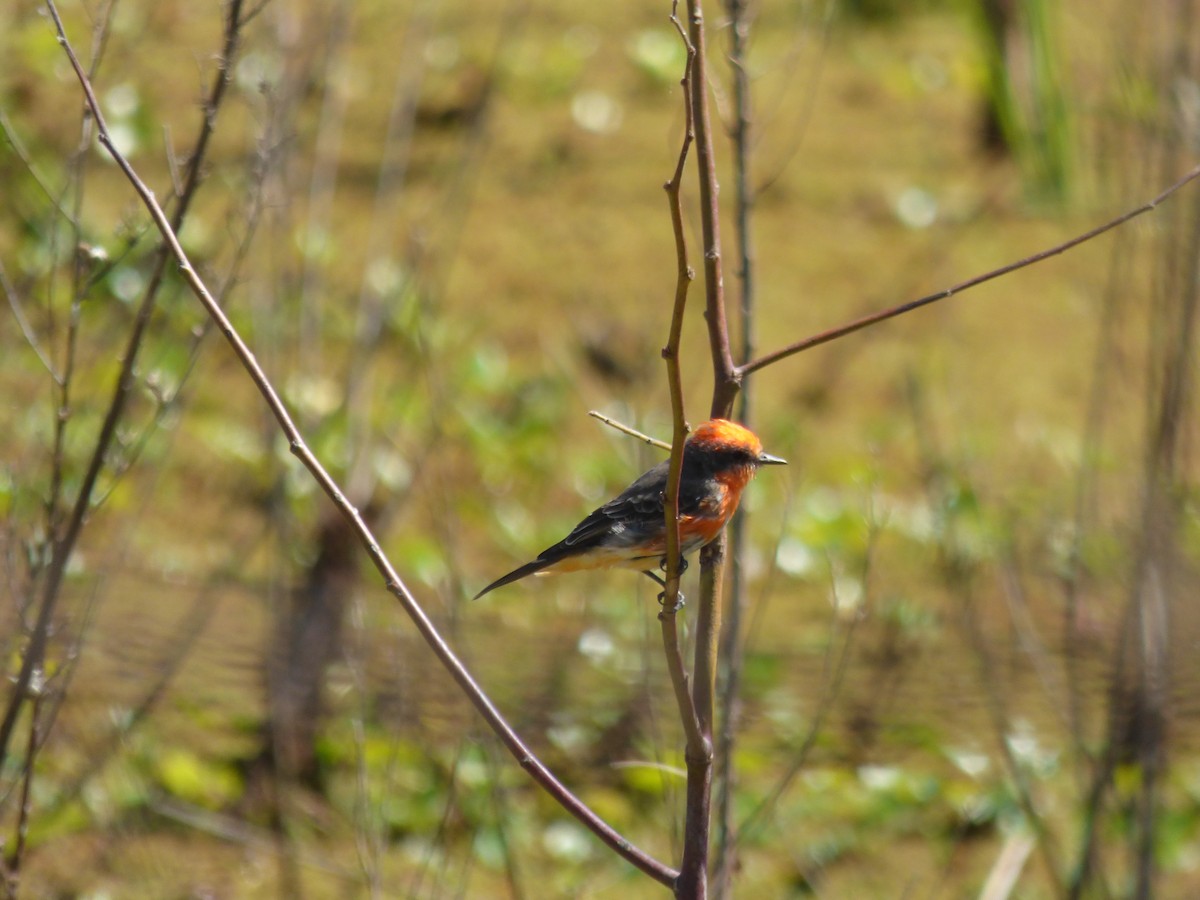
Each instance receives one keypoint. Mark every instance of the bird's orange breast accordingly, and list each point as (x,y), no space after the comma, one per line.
(716,509)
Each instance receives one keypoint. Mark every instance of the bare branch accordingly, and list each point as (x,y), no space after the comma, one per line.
(732,648)
(301,451)
(684,275)
(14,303)
(64,542)
(693,877)
(10,135)
(833,334)
(629,430)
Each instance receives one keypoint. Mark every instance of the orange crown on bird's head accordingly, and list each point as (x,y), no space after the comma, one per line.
(720,436)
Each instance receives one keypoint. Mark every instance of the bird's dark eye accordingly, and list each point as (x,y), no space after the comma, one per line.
(733,456)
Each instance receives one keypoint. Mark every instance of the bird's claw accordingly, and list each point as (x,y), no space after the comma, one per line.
(680,600)
(662,595)
(683,564)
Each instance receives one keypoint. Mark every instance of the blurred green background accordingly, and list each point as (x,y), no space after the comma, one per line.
(970,635)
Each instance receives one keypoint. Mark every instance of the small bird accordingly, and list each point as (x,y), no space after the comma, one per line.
(629,531)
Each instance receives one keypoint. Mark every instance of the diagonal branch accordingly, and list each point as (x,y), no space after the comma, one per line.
(834,333)
(64,544)
(299,448)
(626,429)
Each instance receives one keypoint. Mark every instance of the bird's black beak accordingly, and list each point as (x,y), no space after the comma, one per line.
(766,459)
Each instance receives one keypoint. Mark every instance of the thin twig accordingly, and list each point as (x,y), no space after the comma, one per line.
(64,543)
(1083,516)
(12,866)
(629,430)
(324,174)
(693,877)
(51,544)
(790,66)
(14,303)
(958,573)
(726,376)
(858,324)
(835,667)
(239,831)
(732,649)
(300,449)
(390,184)
(14,141)
(670,354)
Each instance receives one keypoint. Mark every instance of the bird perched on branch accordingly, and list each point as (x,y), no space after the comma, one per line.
(629,531)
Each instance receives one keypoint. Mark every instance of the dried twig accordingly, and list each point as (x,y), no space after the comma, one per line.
(858,324)
(629,430)
(696,741)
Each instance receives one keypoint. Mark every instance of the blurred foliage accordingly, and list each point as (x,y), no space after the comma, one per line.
(440,303)
(1027,106)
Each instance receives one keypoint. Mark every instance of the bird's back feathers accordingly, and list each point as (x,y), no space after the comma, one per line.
(630,530)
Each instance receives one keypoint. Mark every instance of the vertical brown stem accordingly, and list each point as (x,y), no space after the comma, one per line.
(731,654)
(693,875)
(670,353)
(726,379)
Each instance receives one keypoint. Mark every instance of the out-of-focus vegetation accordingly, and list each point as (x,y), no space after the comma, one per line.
(441,227)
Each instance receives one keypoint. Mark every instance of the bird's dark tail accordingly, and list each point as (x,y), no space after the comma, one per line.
(515,575)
